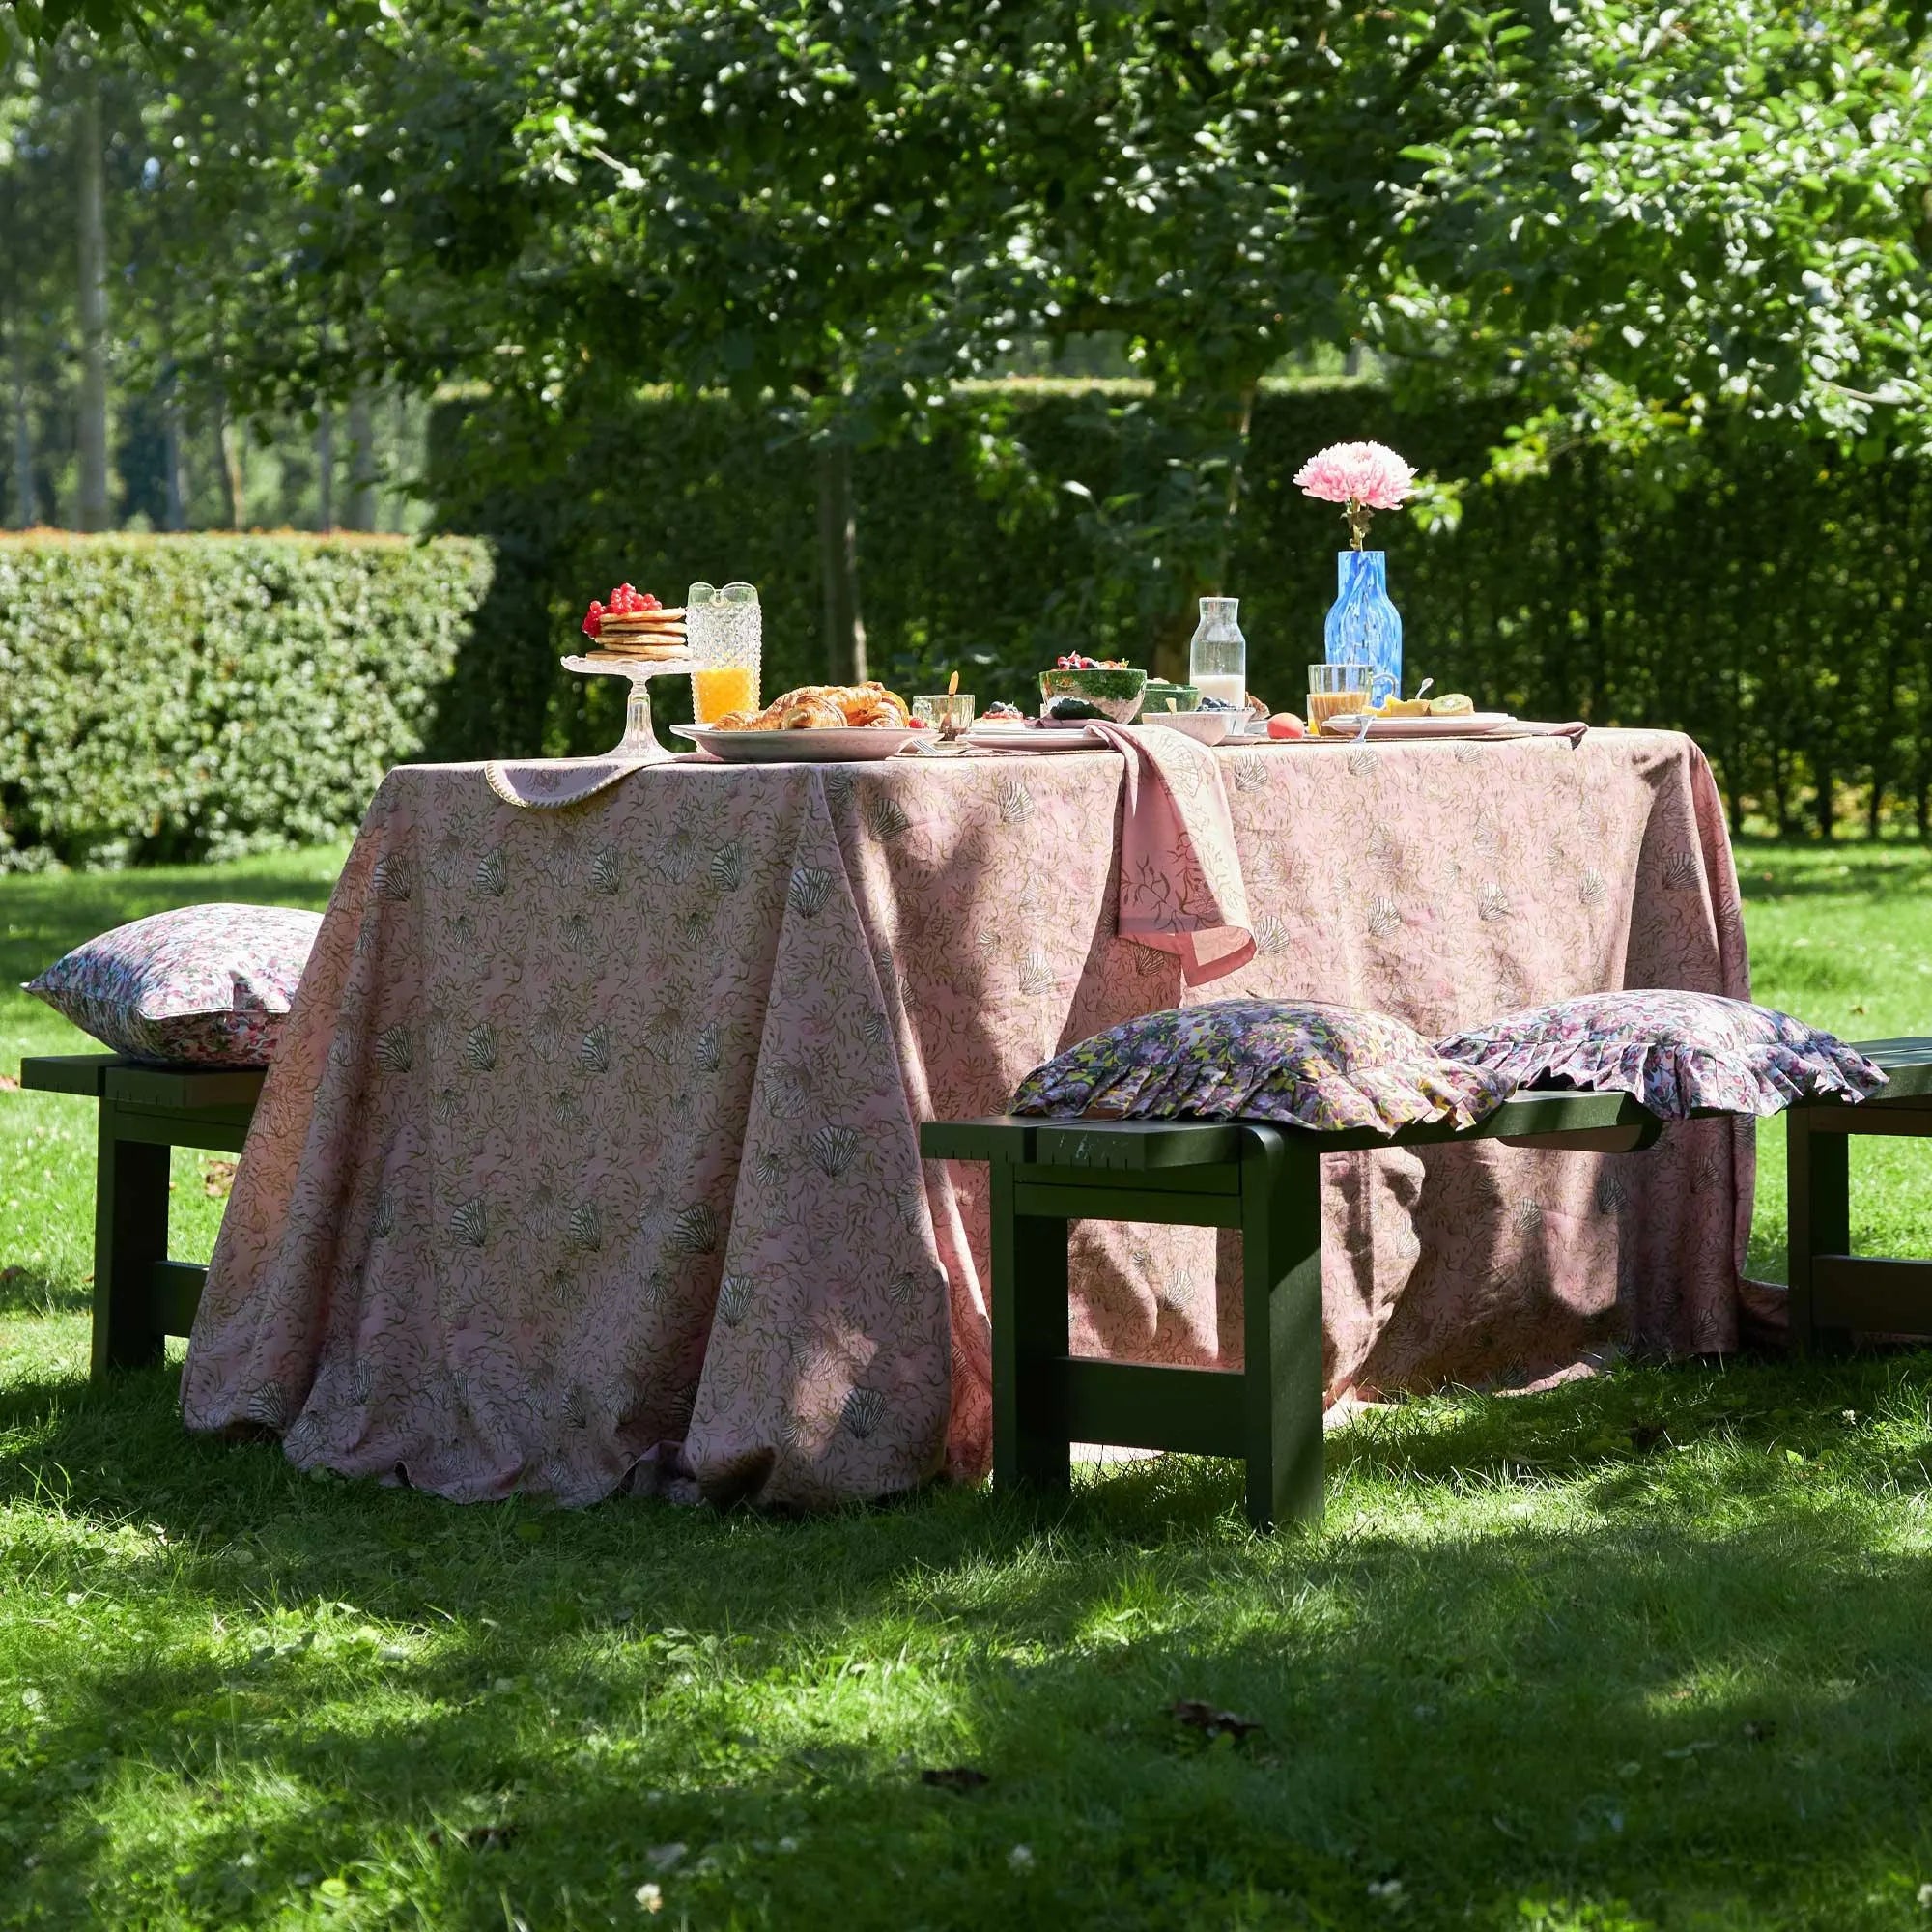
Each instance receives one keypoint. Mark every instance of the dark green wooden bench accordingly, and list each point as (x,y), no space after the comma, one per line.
(1833,1292)
(140,1297)
(1261,1179)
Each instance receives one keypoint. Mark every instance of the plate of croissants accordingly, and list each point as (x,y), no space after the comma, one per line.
(817,724)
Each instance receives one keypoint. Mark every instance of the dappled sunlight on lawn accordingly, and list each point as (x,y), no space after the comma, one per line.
(1653,1637)
(1640,1652)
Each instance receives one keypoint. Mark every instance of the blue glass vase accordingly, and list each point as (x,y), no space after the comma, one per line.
(1363,626)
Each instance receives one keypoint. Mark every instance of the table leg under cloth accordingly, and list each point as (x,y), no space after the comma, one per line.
(592,1141)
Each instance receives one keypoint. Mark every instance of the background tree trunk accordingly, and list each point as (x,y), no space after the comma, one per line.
(361,514)
(228,466)
(839,566)
(174,498)
(1174,634)
(324,469)
(24,431)
(94,507)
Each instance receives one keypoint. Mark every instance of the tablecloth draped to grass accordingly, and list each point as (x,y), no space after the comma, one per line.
(589,1155)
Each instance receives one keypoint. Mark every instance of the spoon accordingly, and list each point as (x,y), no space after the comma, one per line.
(1368,718)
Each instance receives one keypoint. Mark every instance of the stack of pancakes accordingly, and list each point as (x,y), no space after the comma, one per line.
(640,634)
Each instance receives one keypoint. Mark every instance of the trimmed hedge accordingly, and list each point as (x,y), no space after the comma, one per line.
(177,698)
(180,698)
(1772,607)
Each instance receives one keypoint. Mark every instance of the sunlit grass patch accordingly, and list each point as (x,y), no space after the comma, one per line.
(1644,1652)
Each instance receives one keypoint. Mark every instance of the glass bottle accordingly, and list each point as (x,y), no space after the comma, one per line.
(1217,660)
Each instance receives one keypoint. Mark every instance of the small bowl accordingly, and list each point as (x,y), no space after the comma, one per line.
(1205,728)
(1114,693)
(1159,695)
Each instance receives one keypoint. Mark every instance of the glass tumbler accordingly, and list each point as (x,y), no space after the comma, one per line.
(950,713)
(725,630)
(1342,689)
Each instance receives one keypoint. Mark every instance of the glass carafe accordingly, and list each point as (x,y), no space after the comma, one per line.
(1218,661)
(725,631)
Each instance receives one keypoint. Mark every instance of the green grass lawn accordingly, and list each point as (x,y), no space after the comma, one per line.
(1649,1651)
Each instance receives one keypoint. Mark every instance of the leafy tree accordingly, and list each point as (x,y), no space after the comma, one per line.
(1634,222)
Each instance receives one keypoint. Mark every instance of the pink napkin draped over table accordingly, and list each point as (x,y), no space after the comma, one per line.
(590,1157)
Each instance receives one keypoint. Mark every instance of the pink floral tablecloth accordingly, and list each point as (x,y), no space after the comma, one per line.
(589,1156)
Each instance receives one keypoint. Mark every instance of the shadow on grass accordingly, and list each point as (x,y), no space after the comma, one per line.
(48,916)
(1654,1641)
(28,1291)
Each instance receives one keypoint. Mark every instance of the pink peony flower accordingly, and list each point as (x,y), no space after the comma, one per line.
(1360,476)
(1368,474)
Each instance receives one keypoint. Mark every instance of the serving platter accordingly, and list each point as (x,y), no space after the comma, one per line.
(835,744)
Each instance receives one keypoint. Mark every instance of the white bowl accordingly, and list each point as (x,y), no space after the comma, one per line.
(1205,728)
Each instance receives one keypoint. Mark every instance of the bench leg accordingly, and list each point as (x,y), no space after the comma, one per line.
(1818,1222)
(1030,1331)
(131,1235)
(1281,1272)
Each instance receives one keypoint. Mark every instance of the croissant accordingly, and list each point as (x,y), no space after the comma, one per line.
(872,703)
(798,712)
(819,707)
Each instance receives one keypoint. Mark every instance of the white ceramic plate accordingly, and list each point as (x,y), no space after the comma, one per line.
(1471,724)
(1205,728)
(837,745)
(1008,737)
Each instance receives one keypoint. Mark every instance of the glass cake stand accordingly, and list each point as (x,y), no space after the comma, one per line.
(640,743)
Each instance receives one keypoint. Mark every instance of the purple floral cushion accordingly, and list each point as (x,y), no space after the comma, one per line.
(1675,1051)
(1293,1060)
(206,986)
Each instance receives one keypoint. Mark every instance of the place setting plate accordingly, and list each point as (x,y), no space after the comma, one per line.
(834,745)
(998,737)
(1461,725)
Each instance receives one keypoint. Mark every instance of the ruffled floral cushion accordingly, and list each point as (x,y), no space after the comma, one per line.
(1293,1061)
(205,986)
(1675,1051)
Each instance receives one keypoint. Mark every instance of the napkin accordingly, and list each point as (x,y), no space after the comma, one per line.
(1182,890)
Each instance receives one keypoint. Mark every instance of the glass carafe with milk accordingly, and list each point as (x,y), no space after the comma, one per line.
(1218,661)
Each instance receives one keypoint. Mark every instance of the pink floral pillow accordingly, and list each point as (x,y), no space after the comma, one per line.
(206,986)
(1675,1051)
(1293,1060)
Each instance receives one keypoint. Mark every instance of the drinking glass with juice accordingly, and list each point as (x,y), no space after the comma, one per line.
(717,689)
(1339,690)
(726,629)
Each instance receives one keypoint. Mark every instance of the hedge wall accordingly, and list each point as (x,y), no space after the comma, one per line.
(1773,608)
(175,697)
(180,698)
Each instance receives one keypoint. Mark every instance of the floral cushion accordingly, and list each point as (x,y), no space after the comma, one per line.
(206,986)
(1675,1051)
(1293,1060)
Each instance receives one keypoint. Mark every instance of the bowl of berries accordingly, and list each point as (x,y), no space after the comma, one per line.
(1078,687)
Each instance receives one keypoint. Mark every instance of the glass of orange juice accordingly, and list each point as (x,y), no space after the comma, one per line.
(725,631)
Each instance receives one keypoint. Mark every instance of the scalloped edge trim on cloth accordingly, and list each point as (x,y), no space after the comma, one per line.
(595,775)
(1674,1081)
(1385,1097)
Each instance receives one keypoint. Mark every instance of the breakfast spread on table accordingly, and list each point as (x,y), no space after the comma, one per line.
(634,624)
(1344,702)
